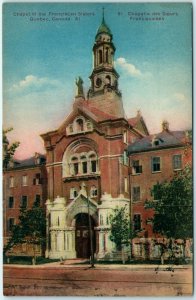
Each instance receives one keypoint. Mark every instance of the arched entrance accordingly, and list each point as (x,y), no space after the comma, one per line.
(83,249)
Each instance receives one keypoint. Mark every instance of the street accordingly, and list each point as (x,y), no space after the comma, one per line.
(115,280)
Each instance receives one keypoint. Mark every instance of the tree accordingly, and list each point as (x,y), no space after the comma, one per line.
(173,216)
(120,228)
(31,229)
(8,151)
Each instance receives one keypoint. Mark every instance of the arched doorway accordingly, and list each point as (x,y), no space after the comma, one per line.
(83,249)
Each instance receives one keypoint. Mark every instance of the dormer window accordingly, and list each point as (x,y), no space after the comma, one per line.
(156,141)
(37,158)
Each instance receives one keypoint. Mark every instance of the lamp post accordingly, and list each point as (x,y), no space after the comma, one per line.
(91,237)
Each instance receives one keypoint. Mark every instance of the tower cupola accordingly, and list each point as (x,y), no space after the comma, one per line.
(103,30)
(104,78)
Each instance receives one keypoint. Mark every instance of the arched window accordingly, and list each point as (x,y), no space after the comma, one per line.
(93,163)
(100,57)
(108,80)
(111,57)
(80,162)
(93,191)
(84,164)
(74,166)
(73,192)
(107,55)
(80,125)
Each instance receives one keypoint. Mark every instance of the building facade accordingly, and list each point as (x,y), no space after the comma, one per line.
(24,182)
(98,159)
(154,159)
(87,160)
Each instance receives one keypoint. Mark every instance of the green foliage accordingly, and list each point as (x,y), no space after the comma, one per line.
(174,208)
(8,151)
(31,228)
(120,227)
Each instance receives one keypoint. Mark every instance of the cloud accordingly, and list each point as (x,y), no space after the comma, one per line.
(33,83)
(180,97)
(29,80)
(130,68)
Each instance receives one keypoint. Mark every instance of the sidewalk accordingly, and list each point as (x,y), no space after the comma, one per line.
(84,264)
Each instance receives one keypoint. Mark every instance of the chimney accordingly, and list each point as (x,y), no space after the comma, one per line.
(139,113)
(165,125)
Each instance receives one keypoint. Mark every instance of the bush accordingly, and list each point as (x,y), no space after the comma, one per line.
(27,260)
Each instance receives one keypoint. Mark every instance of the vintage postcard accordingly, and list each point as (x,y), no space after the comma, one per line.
(97,149)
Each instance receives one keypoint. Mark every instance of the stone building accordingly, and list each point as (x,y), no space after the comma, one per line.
(99,159)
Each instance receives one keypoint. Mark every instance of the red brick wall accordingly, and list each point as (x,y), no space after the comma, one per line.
(18,190)
(108,145)
(147,179)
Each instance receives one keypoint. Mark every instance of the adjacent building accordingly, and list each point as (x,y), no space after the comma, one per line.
(153,160)
(24,182)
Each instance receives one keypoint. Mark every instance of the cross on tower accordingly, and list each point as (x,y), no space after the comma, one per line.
(103,8)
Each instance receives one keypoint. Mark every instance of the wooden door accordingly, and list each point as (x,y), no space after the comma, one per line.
(82,236)
(82,242)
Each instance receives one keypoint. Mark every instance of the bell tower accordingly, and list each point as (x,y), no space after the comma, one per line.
(104,78)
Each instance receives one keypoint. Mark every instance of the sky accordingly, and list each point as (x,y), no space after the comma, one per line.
(43,57)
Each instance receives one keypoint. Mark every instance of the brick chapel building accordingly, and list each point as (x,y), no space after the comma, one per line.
(98,159)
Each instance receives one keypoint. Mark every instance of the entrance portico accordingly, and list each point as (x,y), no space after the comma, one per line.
(68,228)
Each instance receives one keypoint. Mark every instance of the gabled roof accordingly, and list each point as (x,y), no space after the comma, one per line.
(139,124)
(98,114)
(86,108)
(133,121)
(164,139)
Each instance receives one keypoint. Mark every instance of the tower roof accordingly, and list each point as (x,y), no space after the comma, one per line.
(103,28)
